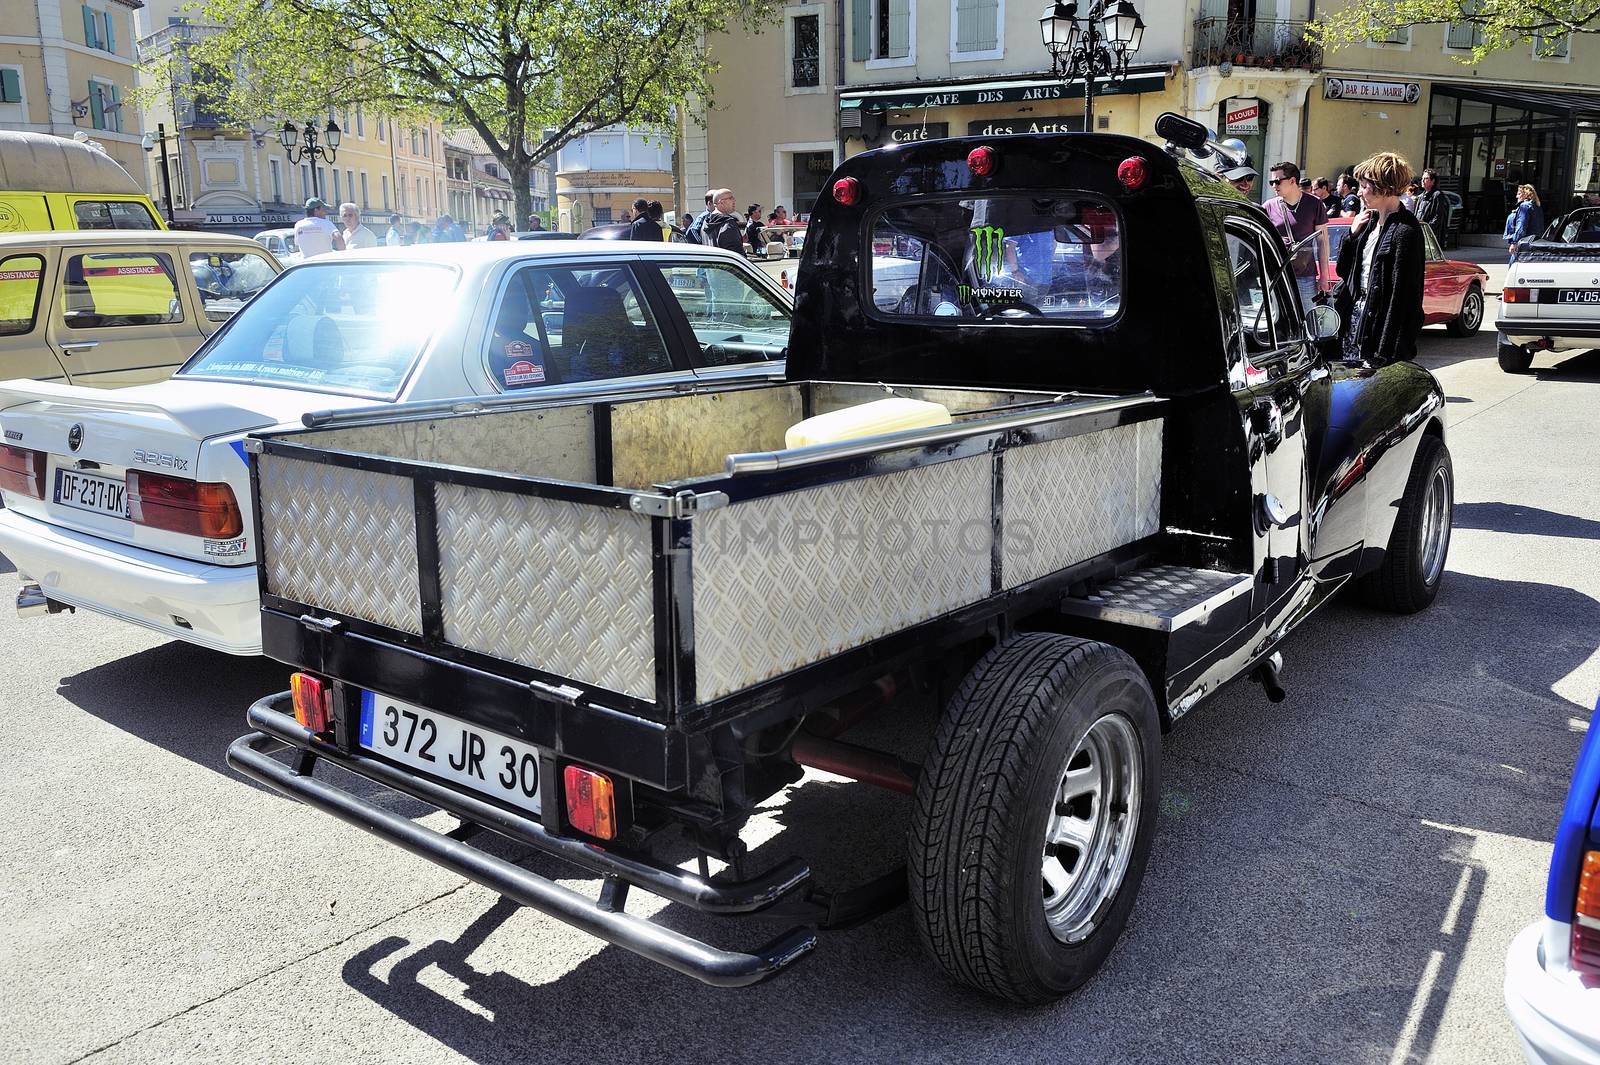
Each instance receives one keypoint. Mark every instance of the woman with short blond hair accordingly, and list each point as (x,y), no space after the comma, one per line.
(1379,298)
(1526,220)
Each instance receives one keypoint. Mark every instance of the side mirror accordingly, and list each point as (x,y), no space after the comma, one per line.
(1322,322)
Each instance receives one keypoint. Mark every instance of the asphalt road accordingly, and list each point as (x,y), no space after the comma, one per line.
(1335,879)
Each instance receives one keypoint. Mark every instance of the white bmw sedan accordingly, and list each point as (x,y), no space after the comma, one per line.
(136,503)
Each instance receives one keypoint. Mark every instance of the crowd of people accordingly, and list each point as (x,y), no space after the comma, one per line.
(316,234)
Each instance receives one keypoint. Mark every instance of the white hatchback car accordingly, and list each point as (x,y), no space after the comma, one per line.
(1551,300)
(136,503)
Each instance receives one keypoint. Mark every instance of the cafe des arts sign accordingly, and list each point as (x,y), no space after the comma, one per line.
(1383,92)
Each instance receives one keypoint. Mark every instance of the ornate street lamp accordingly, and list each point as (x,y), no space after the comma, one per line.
(290,137)
(1095,45)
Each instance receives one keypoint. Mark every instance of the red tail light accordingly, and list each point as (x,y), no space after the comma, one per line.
(1132,172)
(313,701)
(198,508)
(591,802)
(1516,295)
(1586,921)
(22,471)
(847,191)
(981,160)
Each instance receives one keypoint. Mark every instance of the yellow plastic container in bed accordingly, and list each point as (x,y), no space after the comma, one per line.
(866,419)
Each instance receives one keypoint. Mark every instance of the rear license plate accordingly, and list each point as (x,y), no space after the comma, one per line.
(481,761)
(1578,295)
(97,495)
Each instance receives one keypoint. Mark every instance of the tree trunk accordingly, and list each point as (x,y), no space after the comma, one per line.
(519,166)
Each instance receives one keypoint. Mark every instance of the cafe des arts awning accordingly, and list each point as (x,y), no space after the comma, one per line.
(996,91)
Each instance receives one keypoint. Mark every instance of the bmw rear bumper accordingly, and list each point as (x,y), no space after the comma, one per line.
(1557,1020)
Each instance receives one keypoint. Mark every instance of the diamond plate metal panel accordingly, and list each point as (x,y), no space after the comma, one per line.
(341,539)
(1162,597)
(787,580)
(558,586)
(1070,499)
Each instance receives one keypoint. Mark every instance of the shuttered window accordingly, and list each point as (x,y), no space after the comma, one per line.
(1465,35)
(977,25)
(10,85)
(861,29)
(98,29)
(898,36)
(97,106)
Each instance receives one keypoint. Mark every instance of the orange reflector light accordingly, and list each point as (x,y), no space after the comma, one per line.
(1589,886)
(591,802)
(1584,956)
(313,701)
(1516,295)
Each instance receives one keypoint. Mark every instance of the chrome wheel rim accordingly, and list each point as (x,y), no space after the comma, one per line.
(1435,524)
(1472,311)
(1089,836)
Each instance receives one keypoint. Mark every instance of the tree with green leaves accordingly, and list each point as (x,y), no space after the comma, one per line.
(510,70)
(1497,23)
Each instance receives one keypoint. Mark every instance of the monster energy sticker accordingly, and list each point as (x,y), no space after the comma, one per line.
(988,255)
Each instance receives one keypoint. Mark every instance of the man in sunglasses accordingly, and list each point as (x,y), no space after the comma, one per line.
(1302,221)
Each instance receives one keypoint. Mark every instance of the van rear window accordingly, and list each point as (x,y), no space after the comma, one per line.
(113,214)
(1008,258)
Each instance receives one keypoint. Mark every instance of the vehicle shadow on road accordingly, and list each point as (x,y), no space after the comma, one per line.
(6,565)
(1310,897)
(1515,518)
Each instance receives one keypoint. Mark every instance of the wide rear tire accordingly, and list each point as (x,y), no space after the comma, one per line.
(1034,816)
(1413,567)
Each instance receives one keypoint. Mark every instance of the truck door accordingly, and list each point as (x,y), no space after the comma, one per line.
(119,318)
(1273,369)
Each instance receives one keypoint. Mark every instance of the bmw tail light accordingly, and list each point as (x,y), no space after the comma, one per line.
(591,802)
(196,508)
(1585,957)
(22,471)
(1516,295)
(847,191)
(313,701)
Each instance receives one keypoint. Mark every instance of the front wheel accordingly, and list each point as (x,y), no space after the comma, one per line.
(1034,816)
(1466,323)
(1413,567)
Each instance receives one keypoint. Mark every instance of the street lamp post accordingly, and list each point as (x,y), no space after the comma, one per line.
(1097,44)
(148,143)
(290,137)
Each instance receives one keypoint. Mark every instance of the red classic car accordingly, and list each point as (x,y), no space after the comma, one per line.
(1452,291)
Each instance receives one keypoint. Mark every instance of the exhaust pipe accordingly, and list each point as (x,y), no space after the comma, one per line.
(33,603)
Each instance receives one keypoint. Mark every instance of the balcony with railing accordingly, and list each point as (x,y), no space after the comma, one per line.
(1246,42)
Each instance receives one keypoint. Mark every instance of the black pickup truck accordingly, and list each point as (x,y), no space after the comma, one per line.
(607,624)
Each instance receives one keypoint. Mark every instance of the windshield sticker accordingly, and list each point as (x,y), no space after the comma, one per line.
(988,244)
(524,372)
(518,349)
(19,275)
(226,548)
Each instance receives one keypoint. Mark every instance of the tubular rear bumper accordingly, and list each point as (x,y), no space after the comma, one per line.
(662,945)
(221,603)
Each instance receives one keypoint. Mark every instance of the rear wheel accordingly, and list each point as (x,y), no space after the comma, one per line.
(1466,323)
(1034,816)
(1413,567)
(1513,357)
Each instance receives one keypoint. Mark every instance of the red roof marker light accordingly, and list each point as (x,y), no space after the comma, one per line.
(982,160)
(1132,172)
(847,191)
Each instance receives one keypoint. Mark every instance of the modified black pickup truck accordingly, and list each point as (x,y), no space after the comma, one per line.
(1057,443)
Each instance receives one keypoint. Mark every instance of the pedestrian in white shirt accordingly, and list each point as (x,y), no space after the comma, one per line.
(314,234)
(393,238)
(356,236)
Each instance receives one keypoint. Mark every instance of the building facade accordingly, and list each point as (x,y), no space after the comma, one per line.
(478,185)
(599,175)
(69,68)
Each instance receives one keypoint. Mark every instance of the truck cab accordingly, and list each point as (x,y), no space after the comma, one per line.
(1058,455)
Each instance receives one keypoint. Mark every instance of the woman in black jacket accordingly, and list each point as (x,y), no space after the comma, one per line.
(1379,299)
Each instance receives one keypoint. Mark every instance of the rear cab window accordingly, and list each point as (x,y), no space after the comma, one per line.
(120,288)
(349,328)
(1006,257)
(21,280)
(113,214)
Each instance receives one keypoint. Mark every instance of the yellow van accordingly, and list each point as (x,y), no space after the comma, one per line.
(49,183)
(113,308)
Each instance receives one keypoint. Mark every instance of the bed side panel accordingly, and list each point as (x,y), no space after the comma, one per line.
(785,580)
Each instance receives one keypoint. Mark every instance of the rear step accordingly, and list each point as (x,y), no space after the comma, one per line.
(1164,597)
